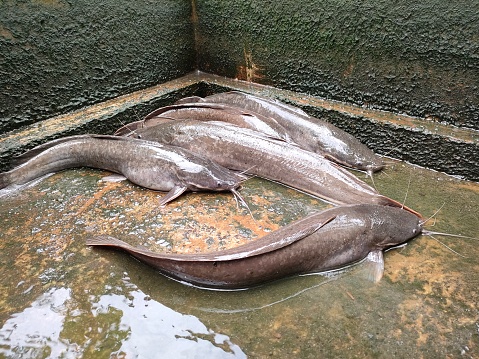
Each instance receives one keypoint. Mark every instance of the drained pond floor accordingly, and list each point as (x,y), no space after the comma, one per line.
(59,298)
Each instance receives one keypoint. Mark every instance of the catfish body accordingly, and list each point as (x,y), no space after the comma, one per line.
(320,242)
(148,164)
(246,150)
(308,132)
(202,111)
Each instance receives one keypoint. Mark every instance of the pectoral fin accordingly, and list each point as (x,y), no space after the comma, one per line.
(114,178)
(374,266)
(174,193)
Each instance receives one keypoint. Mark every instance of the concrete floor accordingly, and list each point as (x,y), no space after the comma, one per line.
(59,297)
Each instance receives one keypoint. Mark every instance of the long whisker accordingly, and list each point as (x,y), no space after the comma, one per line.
(131,132)
(387,166)
(407,190)
(389,163)
(121,122)
(236,200)
(125,125)
(430,233)
(384,172)
(243,310)
(247,170)
(247,177)
(241,199)
(370,175)
(433,215)
(452,250)
(388,152)
(136,114)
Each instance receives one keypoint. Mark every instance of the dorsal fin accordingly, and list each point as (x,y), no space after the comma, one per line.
(250,131)
(190,99)
(195,105)
(245,251)
(25,157)
(284,242)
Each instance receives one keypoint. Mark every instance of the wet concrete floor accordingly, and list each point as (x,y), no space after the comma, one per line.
(59,298)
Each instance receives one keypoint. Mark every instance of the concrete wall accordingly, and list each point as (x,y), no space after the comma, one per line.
(419,58)
(414,57)
(57,55)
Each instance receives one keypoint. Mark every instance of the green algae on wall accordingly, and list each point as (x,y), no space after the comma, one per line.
(419,58)
(57,55)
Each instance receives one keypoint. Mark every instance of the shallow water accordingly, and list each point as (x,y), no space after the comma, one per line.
(59,298)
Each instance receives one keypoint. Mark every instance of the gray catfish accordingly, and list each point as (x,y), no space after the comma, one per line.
(246,150)
(324,241)
(148,164)
(209,112)
(308,132)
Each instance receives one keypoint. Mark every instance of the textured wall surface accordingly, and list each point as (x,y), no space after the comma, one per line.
(57,56)
(420,58)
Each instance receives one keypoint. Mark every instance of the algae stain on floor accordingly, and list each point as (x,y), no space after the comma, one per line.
(102,303)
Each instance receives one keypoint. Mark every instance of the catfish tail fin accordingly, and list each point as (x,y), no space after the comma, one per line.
(107,241)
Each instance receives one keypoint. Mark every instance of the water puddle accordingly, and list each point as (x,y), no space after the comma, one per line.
(59,298)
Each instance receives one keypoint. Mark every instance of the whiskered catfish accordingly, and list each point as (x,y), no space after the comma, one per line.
(148,164)
(246,150)
(328,240)
(209,112)
(308,132)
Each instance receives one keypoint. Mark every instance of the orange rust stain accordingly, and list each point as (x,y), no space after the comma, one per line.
(472,186)
(250,71)
(6,34)
(98,195)
(349,70)
(52,3)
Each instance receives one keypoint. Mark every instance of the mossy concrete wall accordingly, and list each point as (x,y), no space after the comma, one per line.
(57,55)
(414,57)
(419,58)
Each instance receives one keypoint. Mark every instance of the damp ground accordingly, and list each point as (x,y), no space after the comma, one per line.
(60,298)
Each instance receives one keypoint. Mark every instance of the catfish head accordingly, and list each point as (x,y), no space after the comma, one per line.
(394,226)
